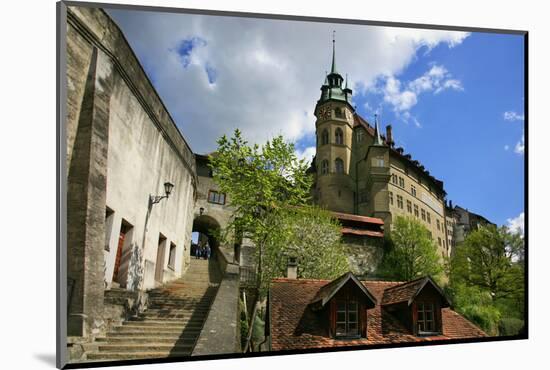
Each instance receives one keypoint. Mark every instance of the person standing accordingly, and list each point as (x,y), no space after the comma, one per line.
(207,251)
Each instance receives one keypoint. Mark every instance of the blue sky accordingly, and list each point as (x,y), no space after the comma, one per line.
(455,99)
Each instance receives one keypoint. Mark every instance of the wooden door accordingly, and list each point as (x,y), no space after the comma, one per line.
(119,253)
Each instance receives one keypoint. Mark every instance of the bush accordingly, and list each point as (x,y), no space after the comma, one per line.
(510,326)
(244,324)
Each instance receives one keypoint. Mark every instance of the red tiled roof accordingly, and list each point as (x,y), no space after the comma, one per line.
(358,218)
(349,230)
(293,325)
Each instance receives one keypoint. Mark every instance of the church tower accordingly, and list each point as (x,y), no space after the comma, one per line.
(334,130)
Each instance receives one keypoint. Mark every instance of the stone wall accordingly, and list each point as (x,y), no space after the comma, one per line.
(364,254)
(122,145)
(220,333)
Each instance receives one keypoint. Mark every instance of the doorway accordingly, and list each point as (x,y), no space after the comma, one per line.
(125,228)
(159,269)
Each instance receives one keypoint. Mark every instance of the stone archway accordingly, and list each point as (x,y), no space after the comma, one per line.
(207,227)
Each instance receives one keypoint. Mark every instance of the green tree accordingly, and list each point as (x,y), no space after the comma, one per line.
(411,251)
(491,259)
(311,236)
(270,192)
(490,264)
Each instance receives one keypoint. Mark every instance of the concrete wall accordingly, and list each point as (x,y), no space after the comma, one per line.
(122,145)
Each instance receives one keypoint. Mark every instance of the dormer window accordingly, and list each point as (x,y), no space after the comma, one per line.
(343,304)
(425,321)
(347,319)
(417,304)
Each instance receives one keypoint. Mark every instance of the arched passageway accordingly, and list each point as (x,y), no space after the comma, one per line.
(205,230)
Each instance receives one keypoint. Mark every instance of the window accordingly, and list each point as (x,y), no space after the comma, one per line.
(216,197)
(428,217)
(394,179)
(360,135)
(347,318)
(324,137)
(339,165)
(339,136)
(425,321)
(400,201)
(324,167)
(416,210)
(409,206)
(413,190)
(423,213)
(401,182)
(391,198)
(378,162)
(438,226)
(172,256)
(439,241)
(338,113)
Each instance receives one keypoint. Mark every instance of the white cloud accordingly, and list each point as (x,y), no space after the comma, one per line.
(513,116)
(307,153)
(261,75)
(403,99)
(520,145)
(517,224)
(506,147)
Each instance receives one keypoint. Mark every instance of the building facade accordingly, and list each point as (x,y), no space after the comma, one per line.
(131,178)
(360,171)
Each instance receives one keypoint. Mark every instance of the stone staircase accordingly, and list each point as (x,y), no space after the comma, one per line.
(170,326)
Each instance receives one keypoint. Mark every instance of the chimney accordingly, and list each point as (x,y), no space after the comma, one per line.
(389,136)
(292,268)
(450,204)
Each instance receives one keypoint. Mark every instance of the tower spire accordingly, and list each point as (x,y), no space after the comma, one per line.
(333,69)
(377,138)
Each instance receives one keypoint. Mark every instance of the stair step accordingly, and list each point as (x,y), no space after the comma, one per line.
(163,324)
(155,333)
(134,355)
(148,339)
(144,348)
(155,329)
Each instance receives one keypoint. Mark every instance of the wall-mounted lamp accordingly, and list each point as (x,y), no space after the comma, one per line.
(201,211)
(154,199)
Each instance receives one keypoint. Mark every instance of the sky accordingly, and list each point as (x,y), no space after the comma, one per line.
(455,99)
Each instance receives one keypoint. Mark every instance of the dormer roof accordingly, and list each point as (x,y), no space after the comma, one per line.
(407,292)
(328,291)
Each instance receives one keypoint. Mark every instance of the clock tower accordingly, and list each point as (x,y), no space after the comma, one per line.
(334,188)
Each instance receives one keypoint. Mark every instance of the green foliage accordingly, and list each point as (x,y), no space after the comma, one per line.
(477,306)
(308,234)
(491,259)
(259,180)
(411,252)
(487,280)
(270,192)
(243,324)
(510,326)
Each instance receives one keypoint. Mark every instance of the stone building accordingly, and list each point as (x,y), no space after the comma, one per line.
(465,222)
(360,171)
(131,179)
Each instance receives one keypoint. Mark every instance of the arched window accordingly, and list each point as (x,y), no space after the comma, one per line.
(339,136)
(339,165)
(324,167)
(338,113)
(360,135)
(324,137)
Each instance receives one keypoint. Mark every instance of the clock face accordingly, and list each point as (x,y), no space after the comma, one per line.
(324,113)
